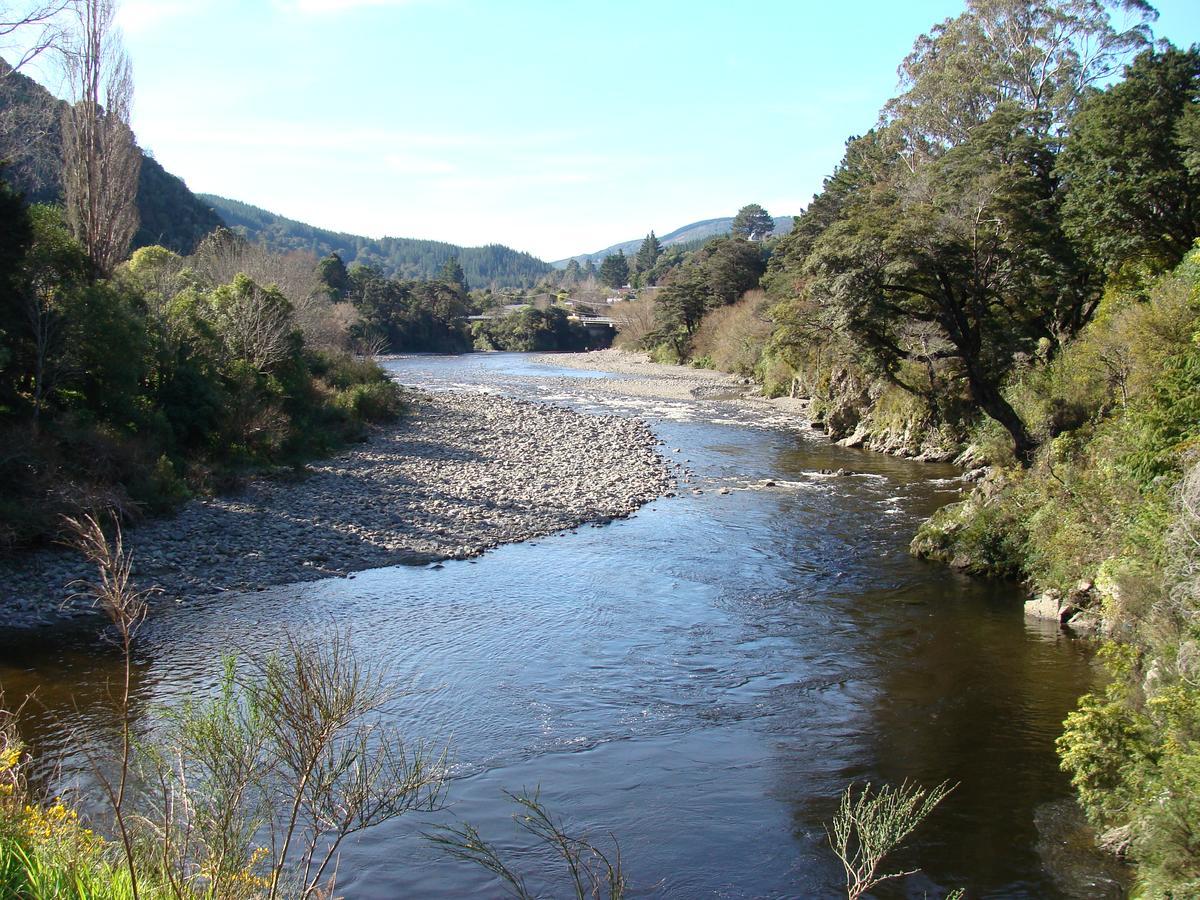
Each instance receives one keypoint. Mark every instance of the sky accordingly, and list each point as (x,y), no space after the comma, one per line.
(553,126)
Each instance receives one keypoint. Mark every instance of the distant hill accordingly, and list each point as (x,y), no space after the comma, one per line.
(685,235)
(31,146)
(493,265)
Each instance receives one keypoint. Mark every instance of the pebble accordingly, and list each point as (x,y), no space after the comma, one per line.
(464,472)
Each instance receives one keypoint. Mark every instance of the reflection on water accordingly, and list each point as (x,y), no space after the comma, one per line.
(702,680)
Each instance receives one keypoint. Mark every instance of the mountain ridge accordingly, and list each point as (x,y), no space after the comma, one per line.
(415,258)
(693,231)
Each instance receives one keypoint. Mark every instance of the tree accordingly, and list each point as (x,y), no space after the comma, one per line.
(752,222)
(681,305)
(573,273)
(731,268)
(589,269)
(16,234)
(647,254)
(256,323)
(1133,185)
(333,276)
(970,243)
(614,271)
(101,160)
(452,274)
(30,30)
(1042,55)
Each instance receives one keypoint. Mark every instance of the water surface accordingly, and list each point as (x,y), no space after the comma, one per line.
(701,680)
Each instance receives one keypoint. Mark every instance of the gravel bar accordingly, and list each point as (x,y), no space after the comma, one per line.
(462,473)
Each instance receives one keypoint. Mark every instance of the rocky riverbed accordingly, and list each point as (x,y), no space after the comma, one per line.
(463,473)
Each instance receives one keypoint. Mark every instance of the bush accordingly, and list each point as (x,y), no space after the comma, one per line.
(733,337)
(371,403)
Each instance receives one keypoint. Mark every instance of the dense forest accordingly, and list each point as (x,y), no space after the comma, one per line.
(406,258)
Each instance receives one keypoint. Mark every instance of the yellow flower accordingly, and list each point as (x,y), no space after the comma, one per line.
(9,757)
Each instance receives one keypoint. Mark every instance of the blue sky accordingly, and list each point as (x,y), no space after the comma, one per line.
(556,127)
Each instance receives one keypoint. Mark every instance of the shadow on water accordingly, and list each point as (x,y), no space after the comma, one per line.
(702,679)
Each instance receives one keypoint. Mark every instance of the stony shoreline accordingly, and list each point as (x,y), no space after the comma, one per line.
(463,473)
(639,376)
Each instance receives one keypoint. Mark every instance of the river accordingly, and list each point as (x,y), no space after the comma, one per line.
(701,680)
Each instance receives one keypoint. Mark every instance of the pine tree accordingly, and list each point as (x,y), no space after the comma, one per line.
(753,223)
(452,273)
(647,254)
(614,271)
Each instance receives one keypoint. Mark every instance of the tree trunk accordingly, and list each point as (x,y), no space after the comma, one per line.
(992,402)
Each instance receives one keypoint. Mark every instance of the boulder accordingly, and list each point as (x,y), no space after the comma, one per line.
(1047,605)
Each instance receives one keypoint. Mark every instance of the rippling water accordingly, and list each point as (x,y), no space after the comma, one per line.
(701,680)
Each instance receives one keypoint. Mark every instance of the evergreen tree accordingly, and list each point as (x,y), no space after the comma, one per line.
(589,269)
(331,272)
(1133,188)
(614,271)
(573,272)
(452,273)
(647,254)
(753,223)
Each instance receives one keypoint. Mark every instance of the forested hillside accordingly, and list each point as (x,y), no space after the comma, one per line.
(405,258)
(31,147)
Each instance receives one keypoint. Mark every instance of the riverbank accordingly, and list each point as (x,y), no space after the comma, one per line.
(463,473)
(847,426)
(640,376)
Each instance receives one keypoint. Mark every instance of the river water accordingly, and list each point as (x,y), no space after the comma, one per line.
(701,680)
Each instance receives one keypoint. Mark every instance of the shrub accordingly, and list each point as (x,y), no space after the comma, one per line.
(733,337)
(371,403)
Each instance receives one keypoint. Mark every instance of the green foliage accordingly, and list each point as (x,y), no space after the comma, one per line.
(409,316)
(531,329)
(371,403)
(452,273)
(614,271)
(716,275)
(1134,198)
(752,223)
(1044,55)
(591,872)
(334,277)
(1103,745)
(647,254)
(871,824)
(138,391)
(290,754)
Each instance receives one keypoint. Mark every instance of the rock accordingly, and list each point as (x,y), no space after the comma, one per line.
(1044,606)
(857,439)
